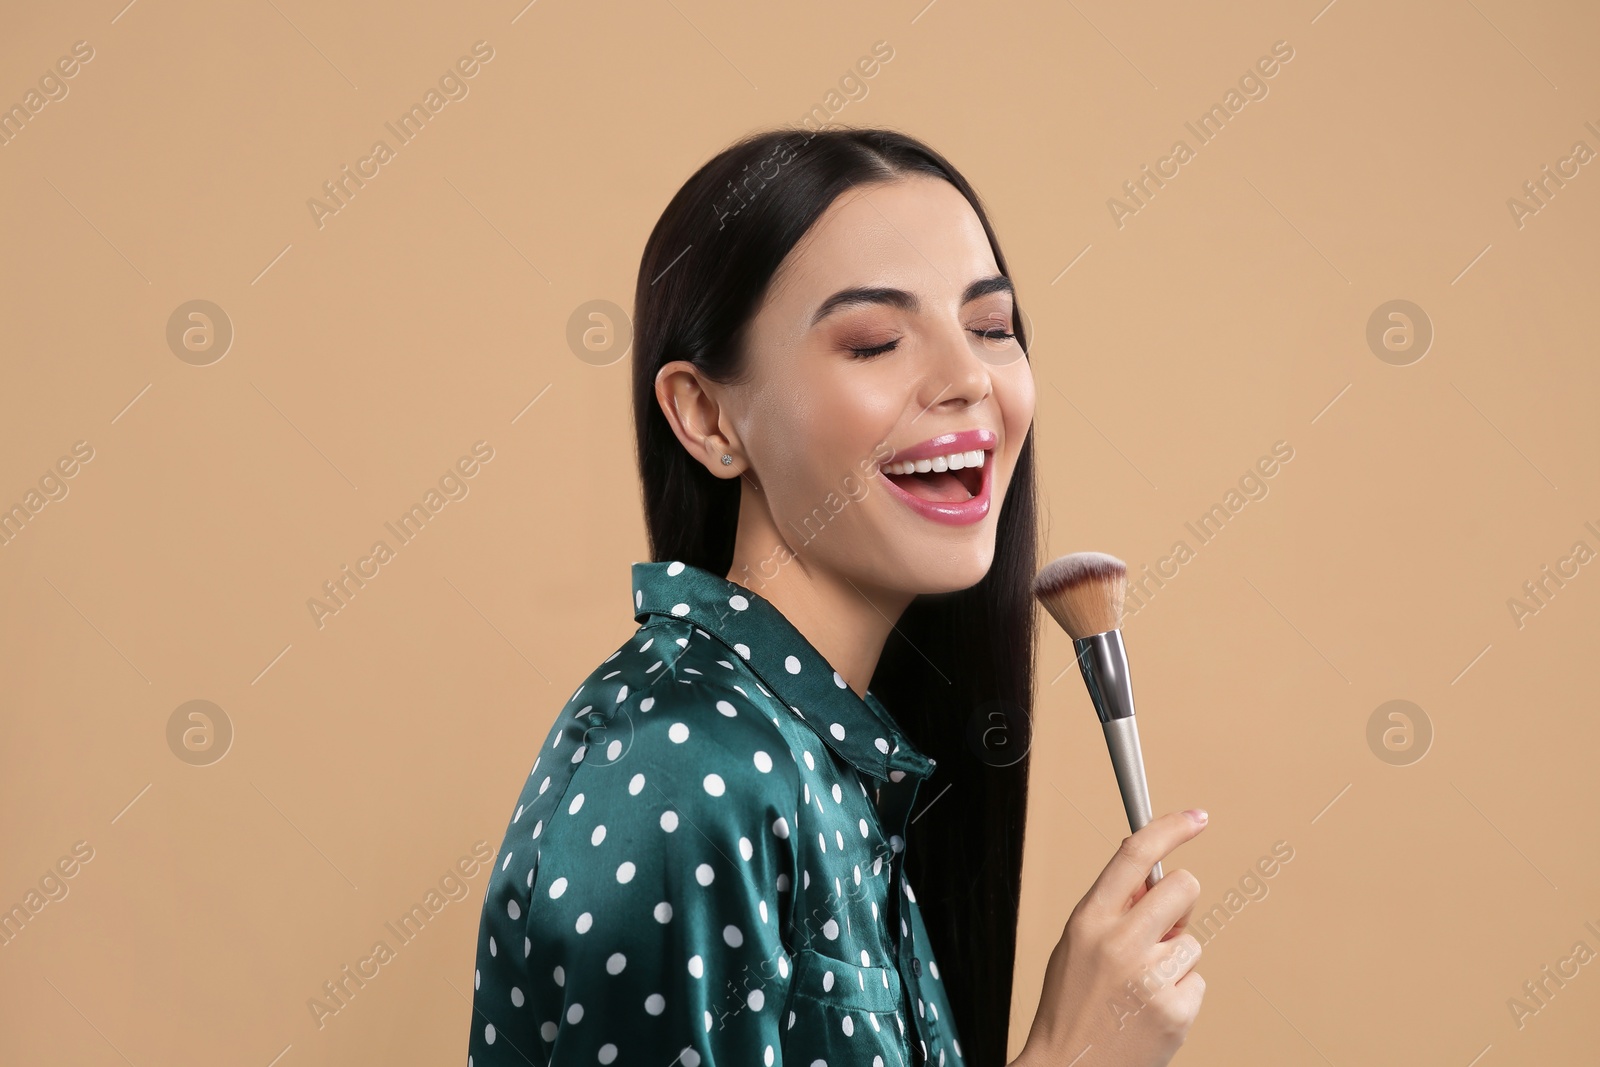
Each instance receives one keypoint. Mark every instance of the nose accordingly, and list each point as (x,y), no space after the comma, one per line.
(956,376)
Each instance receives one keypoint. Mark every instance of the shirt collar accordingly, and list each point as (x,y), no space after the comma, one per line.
(860,730)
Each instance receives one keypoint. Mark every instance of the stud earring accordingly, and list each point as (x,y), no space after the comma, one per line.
(726,459)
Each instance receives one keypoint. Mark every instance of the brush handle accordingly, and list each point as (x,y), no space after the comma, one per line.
(1122,740)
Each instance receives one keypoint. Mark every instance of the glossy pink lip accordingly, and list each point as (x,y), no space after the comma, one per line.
(952,514)
(945,443)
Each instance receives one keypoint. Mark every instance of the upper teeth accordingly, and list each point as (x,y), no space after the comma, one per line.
(952,462)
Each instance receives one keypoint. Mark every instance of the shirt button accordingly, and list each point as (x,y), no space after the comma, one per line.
(916,966)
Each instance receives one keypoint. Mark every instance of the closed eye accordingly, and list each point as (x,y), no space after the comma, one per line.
(992,334)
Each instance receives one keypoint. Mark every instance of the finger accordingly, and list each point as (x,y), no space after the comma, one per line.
(1139,852)
(1181,925)
(1176,958)
(1164,907)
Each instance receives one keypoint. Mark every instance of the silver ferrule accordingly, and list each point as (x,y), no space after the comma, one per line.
(1104,663)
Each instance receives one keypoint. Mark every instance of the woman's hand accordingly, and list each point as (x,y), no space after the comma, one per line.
(1120,982)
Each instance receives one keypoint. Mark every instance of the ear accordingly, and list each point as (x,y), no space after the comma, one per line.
(693,405)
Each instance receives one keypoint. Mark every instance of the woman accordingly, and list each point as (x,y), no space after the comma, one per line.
(758,832)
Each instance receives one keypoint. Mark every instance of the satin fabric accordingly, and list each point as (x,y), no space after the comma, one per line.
(705,864)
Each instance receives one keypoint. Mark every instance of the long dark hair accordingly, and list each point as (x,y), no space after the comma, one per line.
(704,272)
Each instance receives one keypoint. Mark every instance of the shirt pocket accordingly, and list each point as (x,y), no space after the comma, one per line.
(841,984)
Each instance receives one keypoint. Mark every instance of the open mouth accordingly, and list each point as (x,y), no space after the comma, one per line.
(948,479)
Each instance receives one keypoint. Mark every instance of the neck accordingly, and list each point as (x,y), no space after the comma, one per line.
(845,618)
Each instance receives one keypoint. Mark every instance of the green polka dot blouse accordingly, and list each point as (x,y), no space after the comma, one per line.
(705,865)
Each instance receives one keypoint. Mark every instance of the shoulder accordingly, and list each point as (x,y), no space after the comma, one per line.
(673,697)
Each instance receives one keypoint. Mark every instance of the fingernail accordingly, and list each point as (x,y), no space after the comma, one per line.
(1198,815)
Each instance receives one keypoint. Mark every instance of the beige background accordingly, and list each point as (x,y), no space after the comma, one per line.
(1228,313)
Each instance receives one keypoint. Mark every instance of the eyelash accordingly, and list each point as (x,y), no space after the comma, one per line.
(994,334)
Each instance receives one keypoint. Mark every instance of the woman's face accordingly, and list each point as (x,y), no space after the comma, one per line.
(886,331)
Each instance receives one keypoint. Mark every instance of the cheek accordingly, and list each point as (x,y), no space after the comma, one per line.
(1016,394)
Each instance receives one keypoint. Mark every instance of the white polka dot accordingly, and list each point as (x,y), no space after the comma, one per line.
(655,1004)
(513,909)
(558,887)
(680,609)
(781,828)
(625,872)
(763,762)
(488,1033)
(608,1052)
(638,598)
(704,874)
(615,962)
(678,732)
(762,907)
(830,929)
(727,709)
(585,921)
(756,999)
(743,650)
(849,1026)
(791,664)
(837,731)
(516,997)
(827,981)
(548,1031)
(647,703)
(737,602)
(669,820)
(733,936)
(537,827)
(663,912)
(881,745)
(746,849)
(767,1059)
(811,764)
(675,568)
(838,794)
(560,975)
(635,784)
(575,1013)
(613,750)
(863,828)
(838,681)
(714,785)
(689,1057)
(708,1022)
(697,966)
(577,802)
(599,834)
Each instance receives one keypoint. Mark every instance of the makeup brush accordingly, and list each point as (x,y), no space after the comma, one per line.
(1084,592)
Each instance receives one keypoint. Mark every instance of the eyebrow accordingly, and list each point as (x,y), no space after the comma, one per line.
(904,300)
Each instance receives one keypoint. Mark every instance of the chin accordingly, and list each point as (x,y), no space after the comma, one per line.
(952,571)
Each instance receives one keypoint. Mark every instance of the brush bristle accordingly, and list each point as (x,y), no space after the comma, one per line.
(1084,592)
